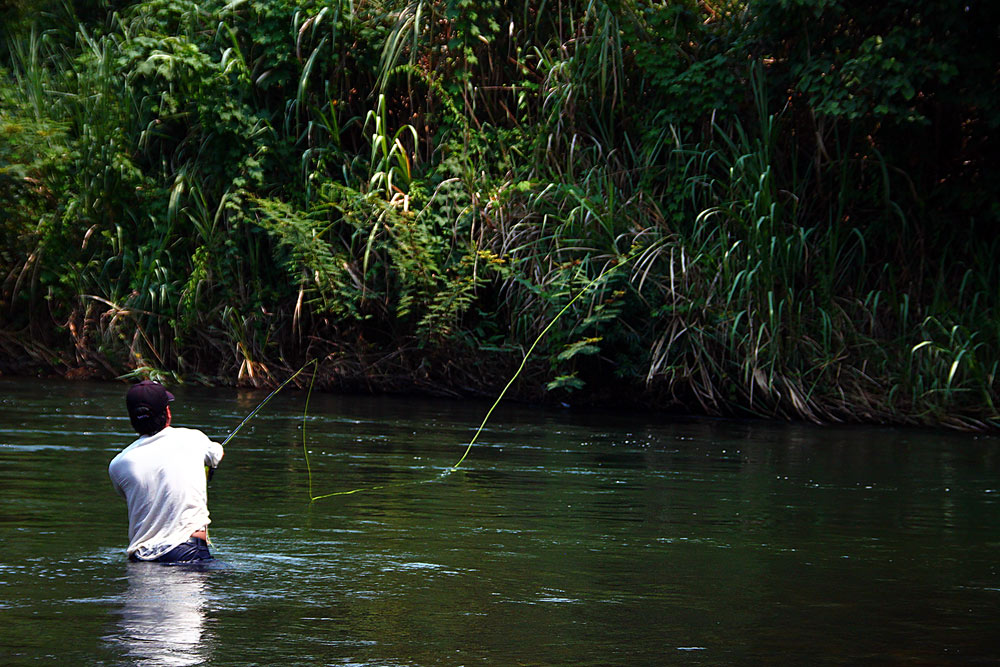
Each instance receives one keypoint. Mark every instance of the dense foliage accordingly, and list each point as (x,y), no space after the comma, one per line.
(794,201)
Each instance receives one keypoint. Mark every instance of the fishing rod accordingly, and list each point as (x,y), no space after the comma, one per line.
(209,471)
(305,451)
(311,362)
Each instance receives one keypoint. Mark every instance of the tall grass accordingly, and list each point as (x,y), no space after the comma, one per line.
(412,191)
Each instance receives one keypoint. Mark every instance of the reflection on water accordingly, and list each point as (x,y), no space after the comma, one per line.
(163,615)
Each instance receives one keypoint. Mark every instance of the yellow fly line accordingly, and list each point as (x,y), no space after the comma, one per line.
(608,271)
(315,364)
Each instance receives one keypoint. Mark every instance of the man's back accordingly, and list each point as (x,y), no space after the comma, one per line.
(162,478)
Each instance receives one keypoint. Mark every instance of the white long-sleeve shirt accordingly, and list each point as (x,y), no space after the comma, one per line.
(162,478)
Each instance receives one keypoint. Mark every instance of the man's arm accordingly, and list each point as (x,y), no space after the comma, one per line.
(213,456)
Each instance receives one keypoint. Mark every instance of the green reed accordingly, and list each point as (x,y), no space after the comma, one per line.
(229,188)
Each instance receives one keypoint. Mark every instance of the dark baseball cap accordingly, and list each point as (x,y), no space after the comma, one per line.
(147,406)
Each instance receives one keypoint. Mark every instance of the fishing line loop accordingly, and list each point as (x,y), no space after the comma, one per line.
(315,364)
(604,274)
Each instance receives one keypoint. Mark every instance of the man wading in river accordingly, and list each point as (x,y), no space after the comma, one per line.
(162,478)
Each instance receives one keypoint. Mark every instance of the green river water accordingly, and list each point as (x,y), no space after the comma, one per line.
(565,538)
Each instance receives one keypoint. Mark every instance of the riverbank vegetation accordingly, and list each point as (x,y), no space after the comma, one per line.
(794,201)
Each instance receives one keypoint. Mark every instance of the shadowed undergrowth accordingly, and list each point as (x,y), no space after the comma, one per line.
(410,192)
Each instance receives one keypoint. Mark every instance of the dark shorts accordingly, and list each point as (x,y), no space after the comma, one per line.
(192,551)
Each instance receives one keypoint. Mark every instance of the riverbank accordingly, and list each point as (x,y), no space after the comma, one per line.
(456,375)
(754,227)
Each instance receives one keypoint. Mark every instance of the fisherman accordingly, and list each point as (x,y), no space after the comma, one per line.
(162,477)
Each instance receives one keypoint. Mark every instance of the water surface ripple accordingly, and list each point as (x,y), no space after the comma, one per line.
(565,538)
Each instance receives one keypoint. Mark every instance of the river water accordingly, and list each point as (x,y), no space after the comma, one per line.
(564,538)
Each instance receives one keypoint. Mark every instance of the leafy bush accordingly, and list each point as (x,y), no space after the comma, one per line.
(769,207)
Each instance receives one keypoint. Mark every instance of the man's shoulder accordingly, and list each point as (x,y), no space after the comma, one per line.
(123,460)
(124,453)
(191,435)
(181,431)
